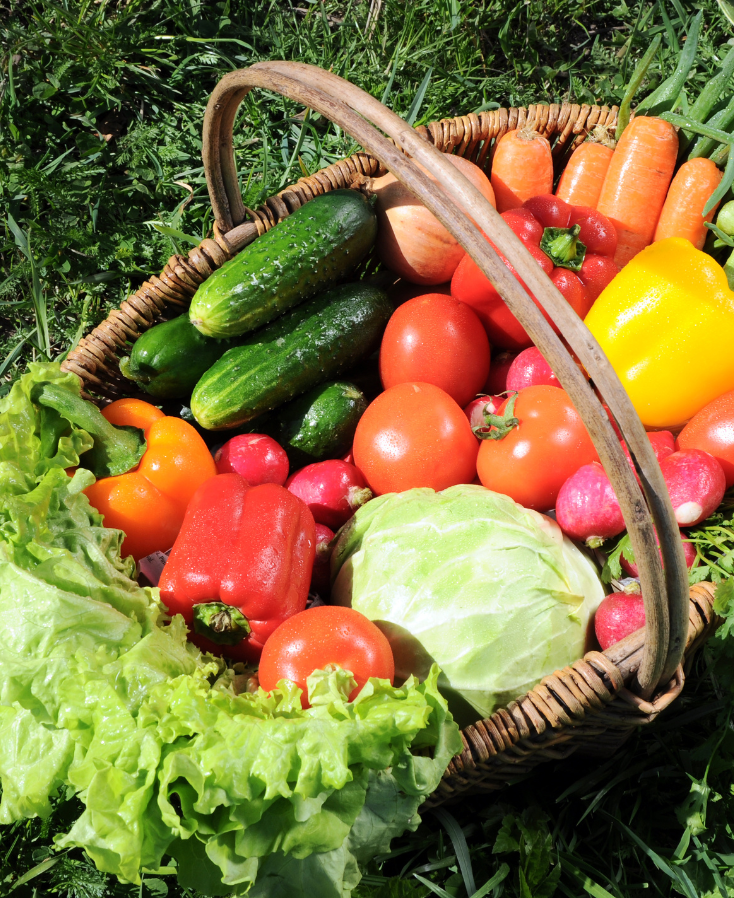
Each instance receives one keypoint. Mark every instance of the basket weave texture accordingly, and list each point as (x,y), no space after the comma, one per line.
(584,707)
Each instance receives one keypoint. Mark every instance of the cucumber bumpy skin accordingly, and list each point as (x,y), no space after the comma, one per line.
(313,248)
(310,344)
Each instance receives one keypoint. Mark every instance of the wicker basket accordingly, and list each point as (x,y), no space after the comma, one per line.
(595,703)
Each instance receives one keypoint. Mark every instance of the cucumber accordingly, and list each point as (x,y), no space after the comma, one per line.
(168,360)
(316,246)
(310,344)
(317,425)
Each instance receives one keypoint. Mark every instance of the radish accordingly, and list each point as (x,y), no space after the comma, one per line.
(662,442)
(496,382)
(618,615)
(332,489)
(256,457)
(587,508)
(689,551)
(476,408)
(321,575)
(529,369)
(696,483)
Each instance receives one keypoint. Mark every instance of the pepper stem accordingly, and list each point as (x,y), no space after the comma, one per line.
(563,247)
(222,623)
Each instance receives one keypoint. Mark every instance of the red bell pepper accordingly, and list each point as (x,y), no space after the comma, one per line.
(241,564)
(575,247)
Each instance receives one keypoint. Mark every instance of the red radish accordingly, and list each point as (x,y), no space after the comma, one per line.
(496,381)
(256,457)
(529,369)
(476,408)
(551,211)
(618,615)
(587,508)
(321,575)
(689,551)
(596,273)
(662,442)
(332,489)
(349,457)
(696,483)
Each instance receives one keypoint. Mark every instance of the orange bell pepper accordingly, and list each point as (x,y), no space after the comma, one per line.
(148,503)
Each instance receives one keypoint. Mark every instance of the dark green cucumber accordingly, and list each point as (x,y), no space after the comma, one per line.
(168,360)
(317,425)
(310,344)
(316,246)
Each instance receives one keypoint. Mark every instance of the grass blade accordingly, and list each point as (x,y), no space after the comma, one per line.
(461,849)
(437,890)
(724,185)
(418,99)
(499,877)
(172,232)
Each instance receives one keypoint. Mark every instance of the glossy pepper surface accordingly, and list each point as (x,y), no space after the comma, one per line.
(148,504)
(241,564)
(666,323)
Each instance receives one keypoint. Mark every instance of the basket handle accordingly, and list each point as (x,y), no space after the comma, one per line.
(664,586)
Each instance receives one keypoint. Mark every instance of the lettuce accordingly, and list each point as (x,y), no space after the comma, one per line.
(101,695)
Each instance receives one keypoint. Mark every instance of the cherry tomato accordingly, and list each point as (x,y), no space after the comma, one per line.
(573,291)
(437,340)
(712,430)
(551,211)
(596,272)
(534,460)
(524,224)
(597,233)
(414,435)
(470,286)
(132,413)
(317,637)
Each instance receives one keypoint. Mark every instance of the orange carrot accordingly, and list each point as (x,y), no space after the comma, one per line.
(522,167)
(637,182)
(682,214)
(581,181)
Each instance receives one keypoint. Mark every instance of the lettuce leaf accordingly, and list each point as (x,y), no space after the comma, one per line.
(102,695)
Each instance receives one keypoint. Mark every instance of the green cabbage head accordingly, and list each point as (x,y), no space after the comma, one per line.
(491,591)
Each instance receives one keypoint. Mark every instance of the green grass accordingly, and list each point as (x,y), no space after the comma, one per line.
(101,107)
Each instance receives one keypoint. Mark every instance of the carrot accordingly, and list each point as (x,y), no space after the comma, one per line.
(581,181)
(522,167)
(682,214)
(637,182)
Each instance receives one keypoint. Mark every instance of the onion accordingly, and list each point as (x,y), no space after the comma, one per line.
(410,240)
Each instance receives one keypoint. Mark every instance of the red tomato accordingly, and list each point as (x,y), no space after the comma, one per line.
(534,460)
(413,435)
(327,634)
(470,286)
(712,430)
(573,291)
(437,340)
(596,272)
(597,233)
(551,211)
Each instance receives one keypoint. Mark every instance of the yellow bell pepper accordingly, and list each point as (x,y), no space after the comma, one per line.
(666,323)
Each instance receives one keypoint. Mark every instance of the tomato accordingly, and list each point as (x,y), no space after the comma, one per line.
(596,272)
(551,211)
(414,435)
(534,460)
(317,637)
(597,233)
(712,430)
(438,340)
(524,224)
(470,286)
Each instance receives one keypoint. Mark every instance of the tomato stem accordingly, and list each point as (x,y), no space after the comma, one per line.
(498,426)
